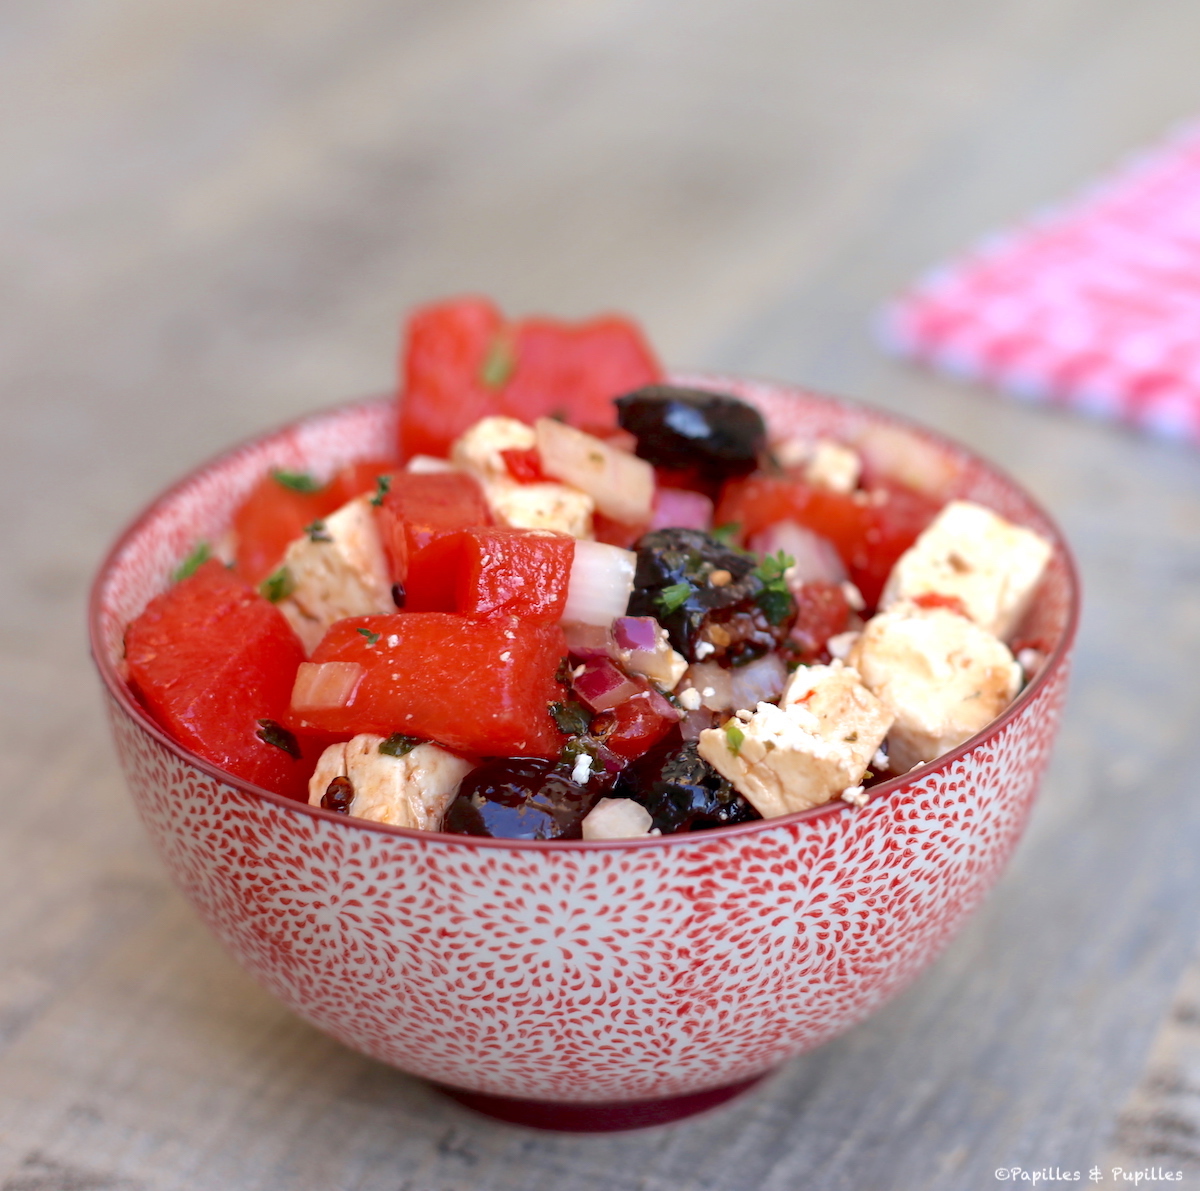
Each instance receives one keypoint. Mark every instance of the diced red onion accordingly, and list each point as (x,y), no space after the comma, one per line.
(587,641)
(600,584)
(694,722)
(602,685)
(677,508)
(661,705)
(816,557)
(321,685)
(761,681)
(636,632)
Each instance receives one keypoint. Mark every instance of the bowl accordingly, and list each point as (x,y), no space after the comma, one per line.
(582,985)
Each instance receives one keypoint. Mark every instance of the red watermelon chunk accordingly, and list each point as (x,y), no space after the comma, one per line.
(481,687)
(210,659)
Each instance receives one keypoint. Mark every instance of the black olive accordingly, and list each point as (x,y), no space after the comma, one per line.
(682,428)
(519,798)
(682,791)
(674,577)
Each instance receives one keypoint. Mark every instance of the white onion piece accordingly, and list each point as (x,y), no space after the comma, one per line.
(761,681)
(587,640)
(616,818)
(428,465)
(817,559)
(600,584)
(321,685)
(621,484)
(712,683)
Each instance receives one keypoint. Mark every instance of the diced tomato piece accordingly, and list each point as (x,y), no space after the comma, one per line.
(273,515)
(463,361)
(869,529)
(479,686)
(355,479)
(633,727)
(821,612)
(210,659)
(525,466)
(421,506)
(935,599)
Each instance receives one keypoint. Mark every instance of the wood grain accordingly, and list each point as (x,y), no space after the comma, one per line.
(214,213)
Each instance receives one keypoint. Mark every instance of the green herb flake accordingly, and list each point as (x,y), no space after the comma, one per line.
(726,533)
(398,745)
(194,561)
(572,718)
(673,597)
(370,636)
(383,485)
(775,598)
(269,732)
(563,674)
(317,532)
(278,585)
(734,737)
(297,481)
(500,362)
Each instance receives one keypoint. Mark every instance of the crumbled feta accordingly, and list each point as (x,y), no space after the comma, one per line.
(428,465)
(345,575)
(477,450)
(941,676)
(970,553)
(880,761)
(409,791)
(854,597)
(582,769)
(856,796)
(617,818)
(689,699)
(807,750)
(662,664)
(703,649)
(840,644)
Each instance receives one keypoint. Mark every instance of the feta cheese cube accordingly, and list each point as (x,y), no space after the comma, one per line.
(477,450)
(409,791)
(616,818)
(833,466)
(939,674)
(968,552)
(339,571)
(806,751)
(541,506)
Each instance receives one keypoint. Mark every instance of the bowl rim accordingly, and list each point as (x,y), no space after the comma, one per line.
(120,692)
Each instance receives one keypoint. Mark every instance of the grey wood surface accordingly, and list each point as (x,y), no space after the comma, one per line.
(212,214)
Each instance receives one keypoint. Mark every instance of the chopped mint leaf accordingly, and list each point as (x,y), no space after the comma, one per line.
(370,636)
(317,532)
(383,485)
(398,745)
(500,362)
(572,718)
(734,737)
(278,585)
(194,561)
(726,533)
(297,481)
(272,733)
(775,599)
(674,596)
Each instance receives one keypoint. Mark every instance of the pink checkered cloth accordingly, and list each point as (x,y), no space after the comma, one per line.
(1095,305)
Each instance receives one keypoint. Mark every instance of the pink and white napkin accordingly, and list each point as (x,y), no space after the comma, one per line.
(1094,305)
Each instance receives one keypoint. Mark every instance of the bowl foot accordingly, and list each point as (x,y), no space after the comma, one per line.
(603,1116)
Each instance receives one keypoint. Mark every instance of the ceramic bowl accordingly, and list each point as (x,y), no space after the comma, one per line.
(572,984)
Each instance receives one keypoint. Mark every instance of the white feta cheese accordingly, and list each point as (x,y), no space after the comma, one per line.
(833,466)
(617,818)
(477,450)
(541,506)
(582,769)
(856,796)
(338,571)
(989,564)
(662,664)
(807,750)
(689,699)
(409,791)
(940,675)
(840,644)
(425,465)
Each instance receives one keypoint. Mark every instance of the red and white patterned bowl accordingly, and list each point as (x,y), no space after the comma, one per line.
(581,985)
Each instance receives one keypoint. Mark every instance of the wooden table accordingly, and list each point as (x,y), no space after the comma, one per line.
(214,213)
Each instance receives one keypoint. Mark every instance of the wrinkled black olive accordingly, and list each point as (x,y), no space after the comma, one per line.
(682,791)
(682,428)
(519,798)
(667,559)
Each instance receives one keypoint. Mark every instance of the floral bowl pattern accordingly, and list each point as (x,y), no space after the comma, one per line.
(576,984)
